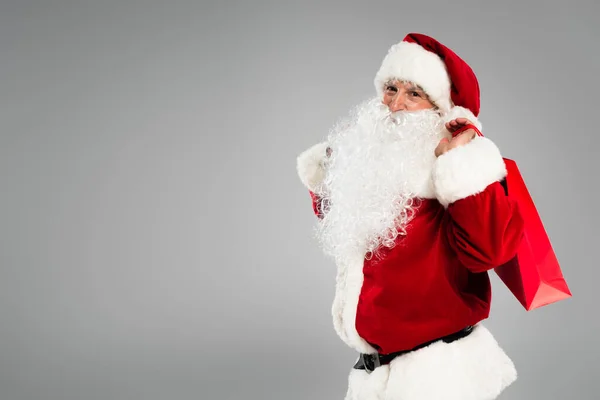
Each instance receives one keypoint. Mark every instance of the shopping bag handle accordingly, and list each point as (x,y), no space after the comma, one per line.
(464,128)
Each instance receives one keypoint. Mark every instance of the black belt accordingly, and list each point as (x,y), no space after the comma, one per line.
(371,361)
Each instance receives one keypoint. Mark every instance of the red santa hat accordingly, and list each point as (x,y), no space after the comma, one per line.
(446,78)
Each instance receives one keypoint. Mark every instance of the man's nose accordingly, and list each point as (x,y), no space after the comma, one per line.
(398,103)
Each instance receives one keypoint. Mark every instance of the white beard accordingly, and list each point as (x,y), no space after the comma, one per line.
(379,167)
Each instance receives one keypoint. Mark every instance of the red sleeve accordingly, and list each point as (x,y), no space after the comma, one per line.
(484,229)
(484,225)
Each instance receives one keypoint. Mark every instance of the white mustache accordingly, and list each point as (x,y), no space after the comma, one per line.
(404,117)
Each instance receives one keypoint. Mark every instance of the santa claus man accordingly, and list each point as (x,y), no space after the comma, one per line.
(412,207)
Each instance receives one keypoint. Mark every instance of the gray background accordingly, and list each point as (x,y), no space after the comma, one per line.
(155,241)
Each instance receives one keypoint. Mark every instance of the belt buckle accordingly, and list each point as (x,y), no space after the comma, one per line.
(370,361)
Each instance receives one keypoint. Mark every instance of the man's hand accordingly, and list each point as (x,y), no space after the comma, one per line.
(459,140)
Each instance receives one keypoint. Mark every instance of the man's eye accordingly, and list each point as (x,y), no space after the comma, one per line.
(391,89)
(415,94)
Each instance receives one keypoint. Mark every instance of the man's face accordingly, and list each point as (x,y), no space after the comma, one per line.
(405,96)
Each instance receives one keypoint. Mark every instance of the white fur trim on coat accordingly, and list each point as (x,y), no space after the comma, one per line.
(349,284)
(472,368)
(411,62)
(309,165)
(467,170)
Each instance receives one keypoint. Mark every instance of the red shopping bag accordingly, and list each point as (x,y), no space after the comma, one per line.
(534,275)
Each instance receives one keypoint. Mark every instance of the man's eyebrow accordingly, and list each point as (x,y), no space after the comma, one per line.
(413,87)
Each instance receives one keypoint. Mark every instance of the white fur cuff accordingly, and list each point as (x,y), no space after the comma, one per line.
(310,165)
(467,170)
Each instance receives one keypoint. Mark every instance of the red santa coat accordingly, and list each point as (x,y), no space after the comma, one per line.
(434,281)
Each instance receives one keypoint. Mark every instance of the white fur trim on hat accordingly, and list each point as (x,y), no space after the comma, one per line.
(309,165)
(467,170)
(411,62)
